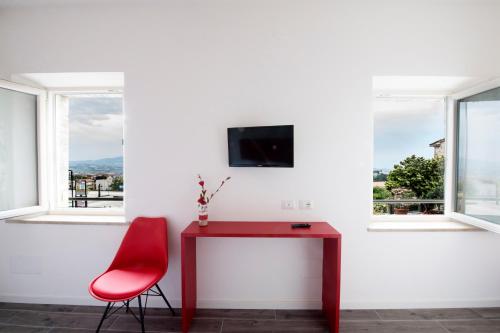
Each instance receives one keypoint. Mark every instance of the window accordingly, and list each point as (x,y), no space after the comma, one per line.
(409,155)
(19,148)
(64,152)
(89,145)
(478,161)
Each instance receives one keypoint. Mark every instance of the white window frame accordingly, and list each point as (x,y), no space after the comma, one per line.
(452,134)
(42,145)
(54,208)
(415,218)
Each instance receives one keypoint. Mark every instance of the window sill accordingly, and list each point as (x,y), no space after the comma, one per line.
(69,219)
(391,226)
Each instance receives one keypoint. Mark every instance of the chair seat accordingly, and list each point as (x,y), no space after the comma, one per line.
(123,284)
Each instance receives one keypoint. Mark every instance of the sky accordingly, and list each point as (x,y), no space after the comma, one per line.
(96,127)
(403,127)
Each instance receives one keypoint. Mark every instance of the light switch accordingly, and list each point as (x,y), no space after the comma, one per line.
(306,204)
(287,204)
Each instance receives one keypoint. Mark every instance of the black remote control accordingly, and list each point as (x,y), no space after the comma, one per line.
(301,225)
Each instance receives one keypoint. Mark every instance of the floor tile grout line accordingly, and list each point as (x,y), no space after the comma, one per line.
(114,320)
(378,315)
(442,326)
(52,311)
(38,326)
(478,313)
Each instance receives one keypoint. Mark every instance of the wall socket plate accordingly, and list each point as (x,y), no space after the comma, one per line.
(306,204)
(287,204)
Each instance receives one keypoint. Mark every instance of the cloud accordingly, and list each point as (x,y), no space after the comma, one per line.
(93,109)
(96,127)
(403,127)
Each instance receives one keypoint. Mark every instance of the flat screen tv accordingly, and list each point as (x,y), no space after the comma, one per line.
(263,146)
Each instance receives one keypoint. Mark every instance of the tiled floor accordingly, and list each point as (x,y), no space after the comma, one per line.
(33,318)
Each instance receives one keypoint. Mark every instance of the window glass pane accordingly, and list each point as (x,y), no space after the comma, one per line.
(478,183)
(18,150)
(94,149)
(409,149)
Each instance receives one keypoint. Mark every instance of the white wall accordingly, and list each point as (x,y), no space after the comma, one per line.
(193,68)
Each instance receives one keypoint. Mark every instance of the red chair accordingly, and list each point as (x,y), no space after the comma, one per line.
(139,264)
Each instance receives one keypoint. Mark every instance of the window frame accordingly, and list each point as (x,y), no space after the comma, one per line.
(450,186)
(42,145)
(54,208)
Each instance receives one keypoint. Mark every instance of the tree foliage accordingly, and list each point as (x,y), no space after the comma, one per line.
(380,193)
(117,184)
(425,177)
(381,177)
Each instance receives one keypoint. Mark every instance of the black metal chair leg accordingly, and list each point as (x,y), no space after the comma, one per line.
(141,314)
(128,306)
(165,299)
(103,317)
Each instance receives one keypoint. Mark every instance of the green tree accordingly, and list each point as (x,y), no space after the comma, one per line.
(380,193)
(117,184)
(381,177)
(425,177)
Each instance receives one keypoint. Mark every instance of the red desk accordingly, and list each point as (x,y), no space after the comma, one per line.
(331,259)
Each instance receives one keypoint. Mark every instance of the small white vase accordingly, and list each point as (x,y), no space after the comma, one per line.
(203,215)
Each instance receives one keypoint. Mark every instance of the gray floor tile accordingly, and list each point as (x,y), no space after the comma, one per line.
(54,319)
(88,309)
(206,325)
(100,309)
(6,316)
(81,330)
(40,318)
(235,314)
(427,314)
(358,315)
(160,324)
(414,326)
(71,330)
(37,307)
(490,313)
(160,312)
(299,315)
(274,326)
(472,326)
(23,329)
(165,324)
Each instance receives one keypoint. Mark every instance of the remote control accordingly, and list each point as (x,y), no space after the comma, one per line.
(301,225)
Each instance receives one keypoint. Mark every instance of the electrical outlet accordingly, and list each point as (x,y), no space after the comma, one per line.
(306,204)
(287,204)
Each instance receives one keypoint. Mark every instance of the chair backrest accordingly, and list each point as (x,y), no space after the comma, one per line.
(145,245)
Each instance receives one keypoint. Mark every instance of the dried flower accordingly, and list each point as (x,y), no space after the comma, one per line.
(204,199)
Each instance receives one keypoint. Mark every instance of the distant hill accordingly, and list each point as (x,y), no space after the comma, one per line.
(112,165)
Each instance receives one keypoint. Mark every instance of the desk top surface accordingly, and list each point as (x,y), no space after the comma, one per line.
(260,229)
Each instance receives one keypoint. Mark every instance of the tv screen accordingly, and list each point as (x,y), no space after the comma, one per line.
(264,146)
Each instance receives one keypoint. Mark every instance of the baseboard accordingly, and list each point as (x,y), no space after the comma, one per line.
(422,304)
(266,304)
(176,303)
(260,304)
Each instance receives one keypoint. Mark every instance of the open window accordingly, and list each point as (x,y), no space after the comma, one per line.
(22,146)
(476,188)
(61,144)
(435,156)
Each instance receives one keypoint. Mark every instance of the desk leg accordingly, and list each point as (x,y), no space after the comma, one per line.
(188,265)
(331,282)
